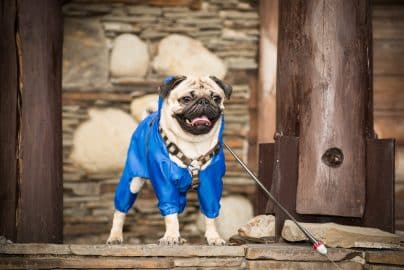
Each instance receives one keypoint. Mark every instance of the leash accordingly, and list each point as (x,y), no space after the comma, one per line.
(317,244)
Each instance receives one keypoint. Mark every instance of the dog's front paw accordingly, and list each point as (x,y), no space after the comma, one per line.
(171,240)
(215,241)
(115,238)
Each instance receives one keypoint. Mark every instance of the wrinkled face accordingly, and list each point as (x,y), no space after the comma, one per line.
(197,103)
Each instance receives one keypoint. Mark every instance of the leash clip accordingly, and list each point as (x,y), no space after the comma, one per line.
(194,169)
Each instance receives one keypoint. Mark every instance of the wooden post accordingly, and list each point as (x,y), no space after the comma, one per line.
(324,56)
(8,119)
(267,70)
(31,196)
(266,100)
(327,165)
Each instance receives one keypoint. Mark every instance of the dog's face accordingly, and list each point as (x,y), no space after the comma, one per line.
(194,103)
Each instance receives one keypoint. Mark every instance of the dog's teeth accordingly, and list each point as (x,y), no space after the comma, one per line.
(187,121)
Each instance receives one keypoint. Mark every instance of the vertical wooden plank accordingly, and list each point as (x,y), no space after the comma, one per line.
(288,72)
(40,210)
(8,119)
(252,154)
(379,210)
(266,155)
(285,178)
(329,43)
(267,70)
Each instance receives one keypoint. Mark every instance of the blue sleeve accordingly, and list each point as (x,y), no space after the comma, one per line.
(164,187)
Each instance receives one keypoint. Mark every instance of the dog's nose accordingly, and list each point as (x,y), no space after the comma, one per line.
(203,101)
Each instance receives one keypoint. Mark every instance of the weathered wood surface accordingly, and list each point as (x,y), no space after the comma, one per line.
(267,70)
(40,211)
(379,210)
(389,56)
(8,119)
(266,154)
(284,179)
(389,93)
(327,78)
(30,138)
(252,154)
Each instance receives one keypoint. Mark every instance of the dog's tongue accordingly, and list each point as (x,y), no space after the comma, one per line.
(202,120)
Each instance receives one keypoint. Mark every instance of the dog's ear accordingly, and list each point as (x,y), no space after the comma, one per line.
(227,89)
(169,84)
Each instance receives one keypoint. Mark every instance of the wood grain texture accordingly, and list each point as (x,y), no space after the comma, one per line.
(266,155)
(324,66)
(284,180)
(267,70)
(252,154)
(8,119)
(389,57)
(389,93)
(40,212)
(380,184)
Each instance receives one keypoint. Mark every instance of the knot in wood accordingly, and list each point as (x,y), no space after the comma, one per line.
(333,157)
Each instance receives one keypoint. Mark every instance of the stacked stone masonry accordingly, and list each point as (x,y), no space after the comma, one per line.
(114,60)
(254,257)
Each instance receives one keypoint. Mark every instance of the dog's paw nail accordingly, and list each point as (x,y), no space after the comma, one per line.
(216,241)
(171,241)
(114,242)
(115,239)
(182,241)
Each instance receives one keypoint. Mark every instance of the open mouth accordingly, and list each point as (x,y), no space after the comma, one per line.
(197,125)
(202,120)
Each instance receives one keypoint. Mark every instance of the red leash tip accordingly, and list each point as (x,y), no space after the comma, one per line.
(320,247)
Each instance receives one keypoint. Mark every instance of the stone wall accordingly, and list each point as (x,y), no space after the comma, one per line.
(115,56)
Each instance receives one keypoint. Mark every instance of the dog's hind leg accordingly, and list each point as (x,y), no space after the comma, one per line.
(116,235)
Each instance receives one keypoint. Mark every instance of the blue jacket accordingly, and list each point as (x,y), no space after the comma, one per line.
(148,158)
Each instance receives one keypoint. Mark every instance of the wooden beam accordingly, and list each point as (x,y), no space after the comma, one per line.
(379,212)
(325,98)
(267,70)
(8,119)
(40,206)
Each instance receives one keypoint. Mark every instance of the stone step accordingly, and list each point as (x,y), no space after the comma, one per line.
(258,256)
(336,235)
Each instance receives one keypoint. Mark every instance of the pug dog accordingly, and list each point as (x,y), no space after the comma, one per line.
(178,148)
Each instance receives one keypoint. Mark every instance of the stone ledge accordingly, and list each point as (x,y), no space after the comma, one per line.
(287,252)
(256,257)
(281,265)
(52,262)
(151,250)
(395,257)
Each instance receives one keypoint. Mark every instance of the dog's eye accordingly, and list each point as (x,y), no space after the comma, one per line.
(217,99)
(186,99)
